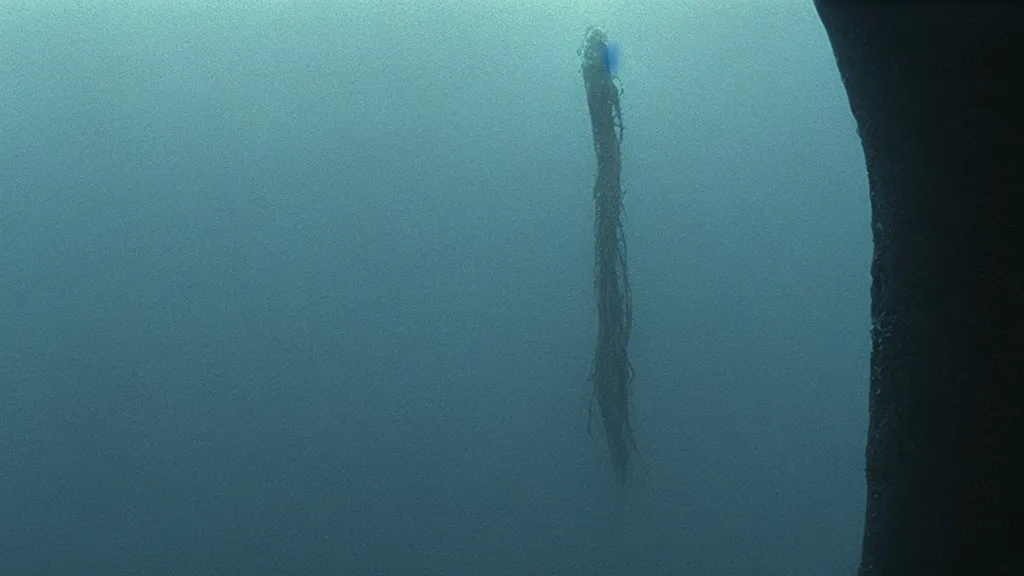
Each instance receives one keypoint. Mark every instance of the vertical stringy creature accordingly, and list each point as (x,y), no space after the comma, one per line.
(611,373)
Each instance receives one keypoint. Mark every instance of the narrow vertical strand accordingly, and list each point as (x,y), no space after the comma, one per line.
(611,373)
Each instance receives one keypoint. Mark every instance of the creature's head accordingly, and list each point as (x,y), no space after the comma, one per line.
(598,50)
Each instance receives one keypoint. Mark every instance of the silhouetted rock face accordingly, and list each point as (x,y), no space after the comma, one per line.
(936,92)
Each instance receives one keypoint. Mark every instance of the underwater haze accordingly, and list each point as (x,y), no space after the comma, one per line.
(307,287)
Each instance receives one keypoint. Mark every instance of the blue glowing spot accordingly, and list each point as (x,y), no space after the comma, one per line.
(610,56)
